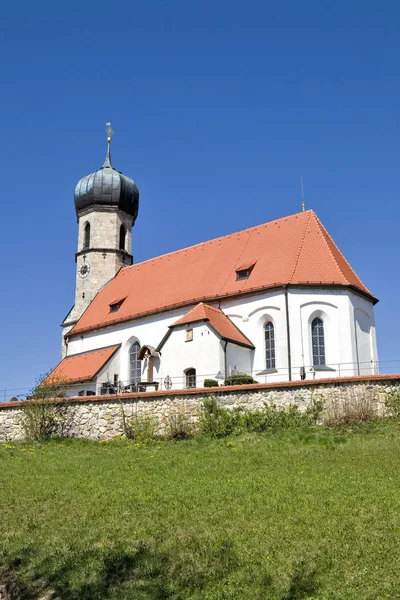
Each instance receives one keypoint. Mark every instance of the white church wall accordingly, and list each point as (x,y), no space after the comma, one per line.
(250,314)
(334,306)
(331,306)
(110,371)
(77,388)
(238,359)
(365,351)
(344,329)
(202,354)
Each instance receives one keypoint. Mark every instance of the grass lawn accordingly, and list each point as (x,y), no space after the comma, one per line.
(313,514)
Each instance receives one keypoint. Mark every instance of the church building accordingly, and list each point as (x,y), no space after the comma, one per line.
(277,301)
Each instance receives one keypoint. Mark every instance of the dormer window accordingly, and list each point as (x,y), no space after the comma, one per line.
(243,272)
(115,306)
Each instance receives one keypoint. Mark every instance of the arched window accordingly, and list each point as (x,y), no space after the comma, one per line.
(86,239)
(122,236)
(135,367)
(269,345)
(318,342)
(190,378)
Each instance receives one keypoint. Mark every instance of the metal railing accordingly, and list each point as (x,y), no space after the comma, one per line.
(166,382)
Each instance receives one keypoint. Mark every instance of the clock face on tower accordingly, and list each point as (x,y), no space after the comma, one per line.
(84,270)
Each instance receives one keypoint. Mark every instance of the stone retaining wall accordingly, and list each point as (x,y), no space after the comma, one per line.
(101,417)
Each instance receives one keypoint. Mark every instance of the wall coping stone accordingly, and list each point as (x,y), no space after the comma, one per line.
(223,389)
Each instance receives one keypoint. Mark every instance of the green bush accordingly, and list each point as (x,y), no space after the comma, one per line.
(274,418)
(239,379)
(219,422)
(211,383)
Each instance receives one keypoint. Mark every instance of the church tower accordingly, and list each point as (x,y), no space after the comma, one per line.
(106,204)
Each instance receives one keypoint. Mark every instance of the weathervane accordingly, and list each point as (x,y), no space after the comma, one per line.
(109,132)
(303,204)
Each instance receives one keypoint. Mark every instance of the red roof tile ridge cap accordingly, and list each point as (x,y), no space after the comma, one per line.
(216,239)
(325,234)
(303,237)
(225,316)
(209,307)
(184,318)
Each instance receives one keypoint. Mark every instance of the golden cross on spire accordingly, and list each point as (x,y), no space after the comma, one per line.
(109,132)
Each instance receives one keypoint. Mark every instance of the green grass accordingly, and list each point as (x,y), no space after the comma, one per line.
(294,516)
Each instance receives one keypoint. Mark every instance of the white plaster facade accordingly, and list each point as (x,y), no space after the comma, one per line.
(349,336)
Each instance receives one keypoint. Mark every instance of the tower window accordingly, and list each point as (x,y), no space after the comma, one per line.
(86,238)
(318,342)
(270,345)
(189,335)
(122,237)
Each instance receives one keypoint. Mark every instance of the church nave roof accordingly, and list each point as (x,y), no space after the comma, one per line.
(294,250)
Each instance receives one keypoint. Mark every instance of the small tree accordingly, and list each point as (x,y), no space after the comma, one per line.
(44,413)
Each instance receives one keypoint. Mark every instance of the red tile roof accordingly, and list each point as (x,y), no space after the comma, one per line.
(82,367)
(218,321)
(294,250)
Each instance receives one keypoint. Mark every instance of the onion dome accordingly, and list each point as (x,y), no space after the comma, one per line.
(107,187)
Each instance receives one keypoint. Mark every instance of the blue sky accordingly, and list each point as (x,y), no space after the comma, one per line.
(217,108)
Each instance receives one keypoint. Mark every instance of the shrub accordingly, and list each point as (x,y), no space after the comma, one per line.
(42,416)
(392,402)
(138,426)
(217,421)
(239,379)
(211,383)
(275,418)
(351,405)
(179,424)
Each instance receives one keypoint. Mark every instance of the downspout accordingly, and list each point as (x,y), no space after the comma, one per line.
(288,333)
(356,340)
(225,360)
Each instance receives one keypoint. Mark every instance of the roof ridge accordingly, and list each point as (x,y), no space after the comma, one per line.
(203,309)
(221,237)
(325,234)
(296,262)
(221,312)
(212,307)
